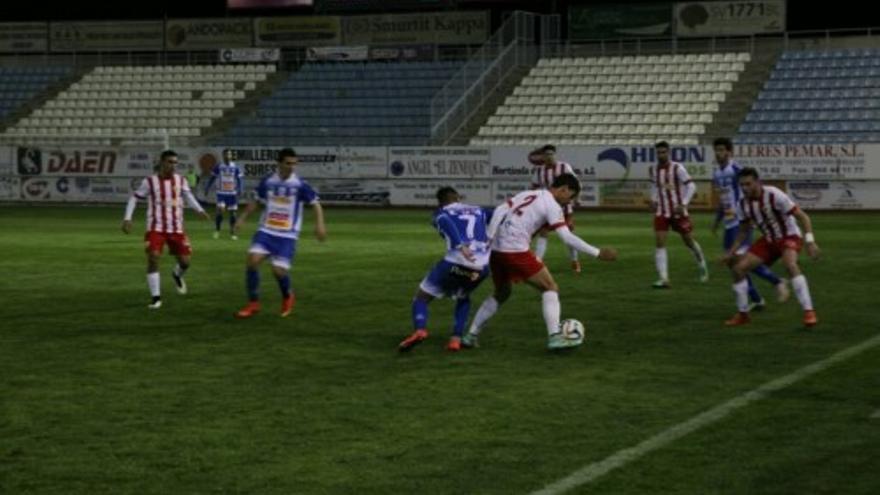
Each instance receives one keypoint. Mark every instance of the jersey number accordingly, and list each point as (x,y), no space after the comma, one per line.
(526,202)
(471,222)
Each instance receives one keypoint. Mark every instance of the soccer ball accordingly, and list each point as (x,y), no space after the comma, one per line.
(573,330)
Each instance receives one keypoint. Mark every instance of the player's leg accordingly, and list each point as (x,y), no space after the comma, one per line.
(259,250)
(740,270)
(153,243)
(502,278)
(233,209)
(800,285)
(431,287)
(179,270)
(730,235)
(463,308)
(283,251)
(685,229)
(218,216)
(543,281)
(661,260)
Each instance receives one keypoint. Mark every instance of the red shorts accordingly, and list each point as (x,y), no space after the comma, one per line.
(682,225)
(770,251)
(510,268)
(178,244)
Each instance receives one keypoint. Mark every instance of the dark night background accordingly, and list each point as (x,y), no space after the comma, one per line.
(802,15)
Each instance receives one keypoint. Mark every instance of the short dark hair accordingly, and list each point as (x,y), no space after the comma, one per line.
(748,172)
(446,194)
(165,154)
(661,144)
(285,153)
(723,141)
(567,180)
(548,147)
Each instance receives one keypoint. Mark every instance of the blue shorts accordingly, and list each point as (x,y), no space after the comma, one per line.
(730,236)
(451,280)
(279,249)
(227,202)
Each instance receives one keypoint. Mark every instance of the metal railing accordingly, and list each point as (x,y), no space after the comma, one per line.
(512,46)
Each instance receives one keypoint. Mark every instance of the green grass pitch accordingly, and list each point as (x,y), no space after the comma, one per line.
(99,395)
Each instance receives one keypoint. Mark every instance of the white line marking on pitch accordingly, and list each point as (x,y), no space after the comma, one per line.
(620,458)
(876,414)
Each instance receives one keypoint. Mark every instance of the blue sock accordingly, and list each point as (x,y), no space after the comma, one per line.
(231,222)
(253,284)
(753,292)
(462,309)
(218,220)
(764,272)
(419,314)
(284,285)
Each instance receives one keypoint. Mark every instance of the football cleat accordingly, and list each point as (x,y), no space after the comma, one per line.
(179,283)
(576,266)
(738,319)
(414,338)
(249,310)
(454,344)
(469,341)
(287,305)
(810,318)
(704,272)
(661,284)
(758,306)
(558,341)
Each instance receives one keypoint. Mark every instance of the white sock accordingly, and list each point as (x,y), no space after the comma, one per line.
(178,271)
(153,283)
(550,304)
(573,253)
(698,252)
(802,290)
(540,247)
(661,261)
(741,289)
(487,309)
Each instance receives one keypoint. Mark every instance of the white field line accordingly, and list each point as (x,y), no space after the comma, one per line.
(623,457)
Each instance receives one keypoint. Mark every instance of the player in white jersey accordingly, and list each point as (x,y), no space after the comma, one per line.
(725,178)
(547,169)
(283,194)
(671,192)
(227,175)
(461,270)
(777,216)
(164,193)
(511,230)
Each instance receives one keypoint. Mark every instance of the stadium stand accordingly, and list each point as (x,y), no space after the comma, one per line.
(818,97)
(139,103)
(19,85)
(621,100)
(354,103)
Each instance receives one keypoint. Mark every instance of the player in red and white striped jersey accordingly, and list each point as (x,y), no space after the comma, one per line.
(165,193)
(513,225)
(777,216)
(671,191)
(547,169)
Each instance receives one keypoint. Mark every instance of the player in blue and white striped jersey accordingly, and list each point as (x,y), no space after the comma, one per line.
(726,180)
(227,175)
(461,270)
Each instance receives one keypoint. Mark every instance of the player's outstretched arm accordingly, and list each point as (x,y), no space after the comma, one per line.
(575,242)
(807,224)
(320,228)
(129,212)
(194,203)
